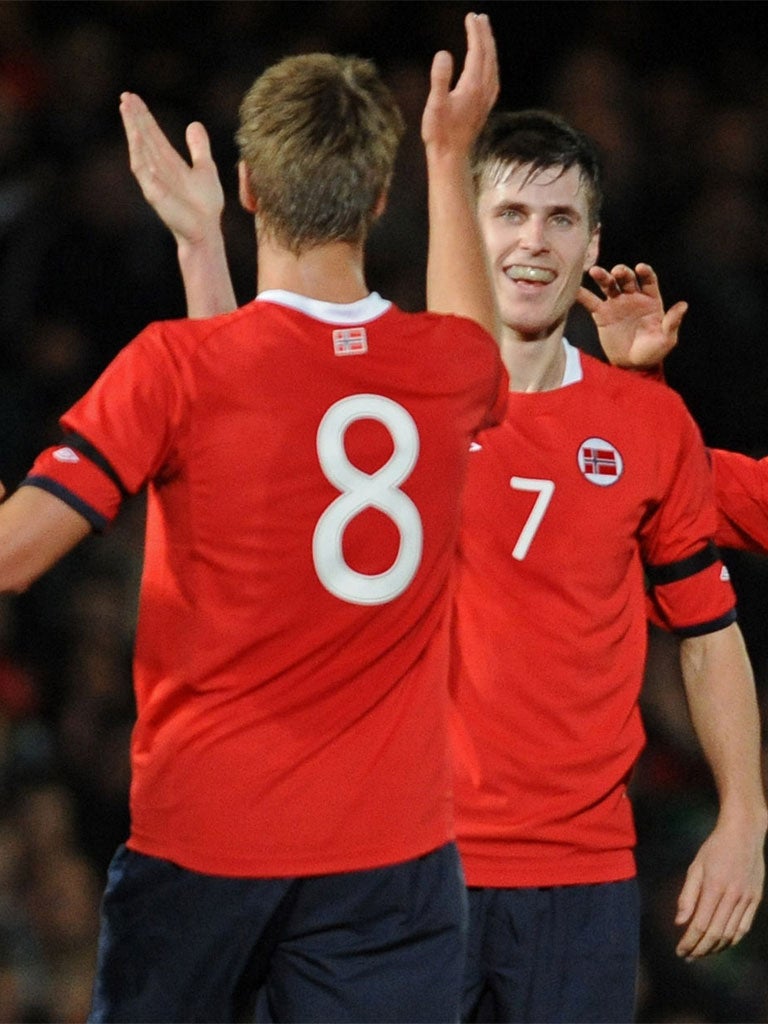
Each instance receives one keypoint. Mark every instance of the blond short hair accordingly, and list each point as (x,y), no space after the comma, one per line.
(318,136)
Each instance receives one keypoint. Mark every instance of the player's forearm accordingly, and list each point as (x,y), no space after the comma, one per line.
(458,276)
(36,530)
(720,690)
(205,273)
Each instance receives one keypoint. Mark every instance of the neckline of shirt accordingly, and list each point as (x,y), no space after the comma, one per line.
(360,312)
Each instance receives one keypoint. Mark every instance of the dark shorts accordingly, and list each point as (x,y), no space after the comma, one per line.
(562,954)
(385,944)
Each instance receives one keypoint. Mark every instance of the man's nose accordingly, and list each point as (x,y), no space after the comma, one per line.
(533,234)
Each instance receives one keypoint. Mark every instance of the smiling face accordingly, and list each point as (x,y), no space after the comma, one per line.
(540,241)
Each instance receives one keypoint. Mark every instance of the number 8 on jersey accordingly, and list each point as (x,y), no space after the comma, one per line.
(359,490)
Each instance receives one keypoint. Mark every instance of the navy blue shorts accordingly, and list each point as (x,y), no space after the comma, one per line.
(385,944)
(561,955)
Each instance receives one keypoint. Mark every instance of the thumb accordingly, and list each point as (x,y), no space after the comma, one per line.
(441,72)
(673,318)
(588,300)
(198,143)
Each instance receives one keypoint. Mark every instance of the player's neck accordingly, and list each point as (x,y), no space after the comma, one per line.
(534,365)
(329,273)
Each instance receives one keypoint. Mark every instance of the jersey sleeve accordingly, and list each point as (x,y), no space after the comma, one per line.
(741,493)
(500,397)
(488,351)
(689,586)
(119,435)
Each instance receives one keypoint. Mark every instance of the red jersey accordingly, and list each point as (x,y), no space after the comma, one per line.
(304,465)
(741,492)
(579,495)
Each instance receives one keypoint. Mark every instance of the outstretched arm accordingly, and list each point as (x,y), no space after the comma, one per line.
(634,329)
(458,276)
(724,883)
(188,199)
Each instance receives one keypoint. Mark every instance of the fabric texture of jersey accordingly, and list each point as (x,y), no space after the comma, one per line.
(565,502)
(304,464)
(741,492)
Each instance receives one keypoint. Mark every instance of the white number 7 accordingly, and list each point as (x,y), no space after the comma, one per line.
(544,489)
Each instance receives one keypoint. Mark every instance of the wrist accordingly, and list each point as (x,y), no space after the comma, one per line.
(207,241)
(743,814)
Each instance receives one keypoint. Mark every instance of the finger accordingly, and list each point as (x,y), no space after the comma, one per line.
(689,894)
(625,278)
(486,46)
(708,921)
(145,138)
(472,71)
(732,931)
(604,281)
(491,56)
(129,109)
(647,279)
(130,102)
(133,111)
(744,922)
(699,938)
(133,115)
(480,72)
(717,930)
(588,300)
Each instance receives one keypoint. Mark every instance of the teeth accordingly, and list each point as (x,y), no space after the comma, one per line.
(521,273)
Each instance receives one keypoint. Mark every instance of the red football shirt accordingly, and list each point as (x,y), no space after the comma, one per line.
(581,493)
(304,465)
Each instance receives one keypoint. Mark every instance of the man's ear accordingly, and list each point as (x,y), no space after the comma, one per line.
(381,205)
(590,257)
(247,199)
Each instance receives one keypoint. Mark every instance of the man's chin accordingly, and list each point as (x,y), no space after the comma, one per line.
(531,327)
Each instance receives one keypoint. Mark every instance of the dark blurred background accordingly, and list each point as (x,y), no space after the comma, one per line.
(676,94)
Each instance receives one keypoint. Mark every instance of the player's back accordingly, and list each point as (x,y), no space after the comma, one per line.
(305,474)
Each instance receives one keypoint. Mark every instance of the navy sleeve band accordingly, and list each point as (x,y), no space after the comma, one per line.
(80,444)
(673,572)
(701,629)
(97,521)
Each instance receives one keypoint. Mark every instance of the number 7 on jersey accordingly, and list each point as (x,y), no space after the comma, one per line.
(543,489)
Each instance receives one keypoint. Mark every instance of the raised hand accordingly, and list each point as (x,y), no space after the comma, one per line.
(453,118)
(634,329)
(458,279)
(188,199)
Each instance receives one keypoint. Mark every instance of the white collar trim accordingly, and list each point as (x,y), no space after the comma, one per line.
(573,369)
(360,312)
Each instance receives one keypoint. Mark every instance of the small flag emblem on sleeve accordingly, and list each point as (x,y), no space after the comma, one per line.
(350,341)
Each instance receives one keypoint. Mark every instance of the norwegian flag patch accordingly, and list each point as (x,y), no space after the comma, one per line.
(600,462)
(350,341)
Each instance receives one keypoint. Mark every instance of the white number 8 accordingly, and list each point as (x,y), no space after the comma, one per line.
(360,490)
